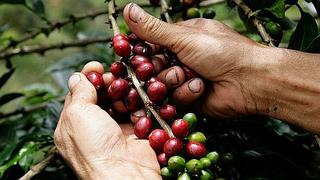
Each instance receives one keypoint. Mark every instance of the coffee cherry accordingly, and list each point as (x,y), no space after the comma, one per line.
(167,112)
(209,13)
(173,146)
(197,137)
(180,128)
(195,149)
(118,89)
(205,175)
(184,176)
(120,107)
(133,100)
(138,60)
(143,127)
(122,48)
(188,3)
(194,166)
(135,116)
(157,64)
(152,80)
(193,13)
(162,159)
(133,39)
(213,156)
(144,71)
(154,2)
(176,163)
(191,119)
(142,49)
(189,74)
(119,37)
(96,80)
(157,91)
(157,138)
(206,163)
(118,69)
(166,173)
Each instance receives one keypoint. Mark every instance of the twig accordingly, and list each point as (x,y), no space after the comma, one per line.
(41,49)
(165,9)
(257,23)
(147,102)
(36,169)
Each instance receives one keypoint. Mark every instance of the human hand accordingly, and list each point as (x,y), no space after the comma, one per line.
(213,50)
(93,144)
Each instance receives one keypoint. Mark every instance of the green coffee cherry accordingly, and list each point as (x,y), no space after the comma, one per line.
(191,119)
(206,163)
(205,175)
(176,163)
(193,13)
(166,173)
(209,13)
(184,176)
(213,156)
(198,137)
(194,166)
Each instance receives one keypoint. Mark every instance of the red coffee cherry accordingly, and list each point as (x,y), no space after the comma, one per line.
(119,37)
(96,79)
(134,39)
(173,146)
(144,71)
(122,48)
(195,150)
(118,69)
(152,80)
(157,91)
(135,116)
(133,100)
(118,89)
(138,60)
(189,74)
(157,64)
(157,138)
(142,49)
(162,159)
(167,112)
(120,106)
(180,128)
(143,127)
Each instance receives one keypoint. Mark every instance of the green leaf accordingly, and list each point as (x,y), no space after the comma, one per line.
(278,9)
(5,77)
(306,31)
(316,4)
(3,28)
(12,1)
(9,97)
(37,6)
(314,46)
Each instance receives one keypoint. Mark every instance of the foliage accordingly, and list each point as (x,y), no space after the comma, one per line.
(271,149)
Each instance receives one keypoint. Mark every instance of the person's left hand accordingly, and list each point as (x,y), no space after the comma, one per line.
(93,144)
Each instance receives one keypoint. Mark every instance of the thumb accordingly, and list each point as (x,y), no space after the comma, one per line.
(152,29)
(81,90)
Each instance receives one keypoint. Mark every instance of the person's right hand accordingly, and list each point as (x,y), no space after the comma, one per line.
(213,50)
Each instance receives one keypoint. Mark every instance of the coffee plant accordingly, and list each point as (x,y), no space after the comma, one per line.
(188,144)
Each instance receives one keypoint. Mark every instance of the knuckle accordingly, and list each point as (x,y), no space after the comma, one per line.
(153,26)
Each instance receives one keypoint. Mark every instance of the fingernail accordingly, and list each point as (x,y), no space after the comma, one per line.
(136,13)
(172,77)
(195,86)
(74,80)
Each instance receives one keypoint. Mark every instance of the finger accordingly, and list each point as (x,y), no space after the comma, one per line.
(93,66)
(67,99)
(152,29)
(108,78)
(172,77)
(189,91)
(81,90)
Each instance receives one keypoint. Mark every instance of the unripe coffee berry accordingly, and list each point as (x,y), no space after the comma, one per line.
(184,176)
(138,60)
(206,175)
(157,138)
(191,119)
(167,112)
(118,89)
(133,100)
(176,163)
(96,80)
(144,71)
(157,91)
(143,127)
(167,173)
(197,137)
(118,69)
(162,159)
(195,150)
(209,13)
(122,48)
(193,13)
(213,156)
(206,163)
(194,166)
(180,128)
(173,146)
(142,49)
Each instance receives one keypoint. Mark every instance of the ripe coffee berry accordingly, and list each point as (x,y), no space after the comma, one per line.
(142,49)
(122,48)
(133,100)
(167,112)
(152,80)
(135,116)
(118,89)
(157,138)
(143,127)
(96,79)
(195,150)
(119,37)
(144,71)
(138,60)
(157,91)
(180,128)
(133,39)
(173,146)
(162,159)
(118,69)
(120,107)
